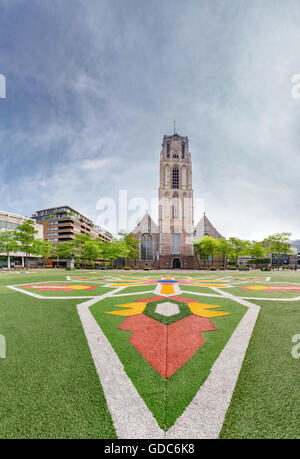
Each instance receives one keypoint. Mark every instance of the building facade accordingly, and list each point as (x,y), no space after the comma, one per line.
(170,243)
(61,224)
(10,222)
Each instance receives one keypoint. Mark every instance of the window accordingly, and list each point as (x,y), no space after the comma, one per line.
(182,150)
(176,242)
(146,247)
(8,225)
(168,150)
(175,178)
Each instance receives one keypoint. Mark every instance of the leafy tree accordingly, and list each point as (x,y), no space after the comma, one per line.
(278,243)
(199,249)
(133,245)
(115,249)
(91,251)
(224,248)
(24,235)
(237,248)
(254,249)
(8,244)
(78,246)
(64,250)
(43,248)
(206,246)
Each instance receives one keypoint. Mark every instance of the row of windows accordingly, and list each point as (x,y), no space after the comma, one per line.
(8,225)
(147,245)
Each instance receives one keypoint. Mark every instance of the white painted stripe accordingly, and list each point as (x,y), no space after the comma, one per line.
(40,297)
(205,415)
(131,417)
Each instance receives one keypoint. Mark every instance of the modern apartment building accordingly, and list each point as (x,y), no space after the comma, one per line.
(9,222)
(61,224)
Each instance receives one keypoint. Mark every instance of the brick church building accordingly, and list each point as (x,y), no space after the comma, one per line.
(170,243)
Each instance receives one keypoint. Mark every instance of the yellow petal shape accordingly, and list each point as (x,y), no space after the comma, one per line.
(200,309)
(209,285)
(133,309)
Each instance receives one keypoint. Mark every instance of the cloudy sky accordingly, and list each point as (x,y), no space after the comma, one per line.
(93,85)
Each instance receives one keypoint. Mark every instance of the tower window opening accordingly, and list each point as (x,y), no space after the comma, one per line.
(168,150)
(175,178)
(182,150)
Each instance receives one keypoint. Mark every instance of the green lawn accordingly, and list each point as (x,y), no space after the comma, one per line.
(266,401)
(50,389)
(167,398)
(49,386)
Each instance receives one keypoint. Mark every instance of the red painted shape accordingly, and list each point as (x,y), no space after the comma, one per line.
(149,300)
(149,337)
(184,339)
(182,299)
(167,347)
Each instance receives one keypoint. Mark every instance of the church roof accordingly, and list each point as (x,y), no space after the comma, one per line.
(206,228)
(145,225)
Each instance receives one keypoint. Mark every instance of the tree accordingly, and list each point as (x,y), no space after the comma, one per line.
(64,250)
(24,234)
(43,248)
(237,248)
(224,248)
(199,250)
(114,249)
(206,246)
(8,244)
(133,245)
(91,251)
(278,243)
(78,246)
(254,249)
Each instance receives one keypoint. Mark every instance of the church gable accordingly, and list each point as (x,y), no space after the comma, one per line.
(205,228)
(145,225)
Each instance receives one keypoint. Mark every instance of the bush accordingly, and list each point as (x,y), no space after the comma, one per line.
(147,268)
(127,268)
(135,267)
(213,268)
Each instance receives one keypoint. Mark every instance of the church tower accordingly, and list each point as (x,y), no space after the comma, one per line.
(176,212)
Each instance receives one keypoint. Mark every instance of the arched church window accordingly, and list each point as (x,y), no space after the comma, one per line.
(176,242)
(182,150)
(175,178)
(146,247)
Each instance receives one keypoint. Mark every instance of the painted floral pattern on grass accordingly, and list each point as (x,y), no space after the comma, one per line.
(273,288)
(59,287)
(167,331)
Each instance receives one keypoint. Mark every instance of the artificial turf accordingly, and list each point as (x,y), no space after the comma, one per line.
(167,399)
(49,385)
(266,400)
(50,389)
